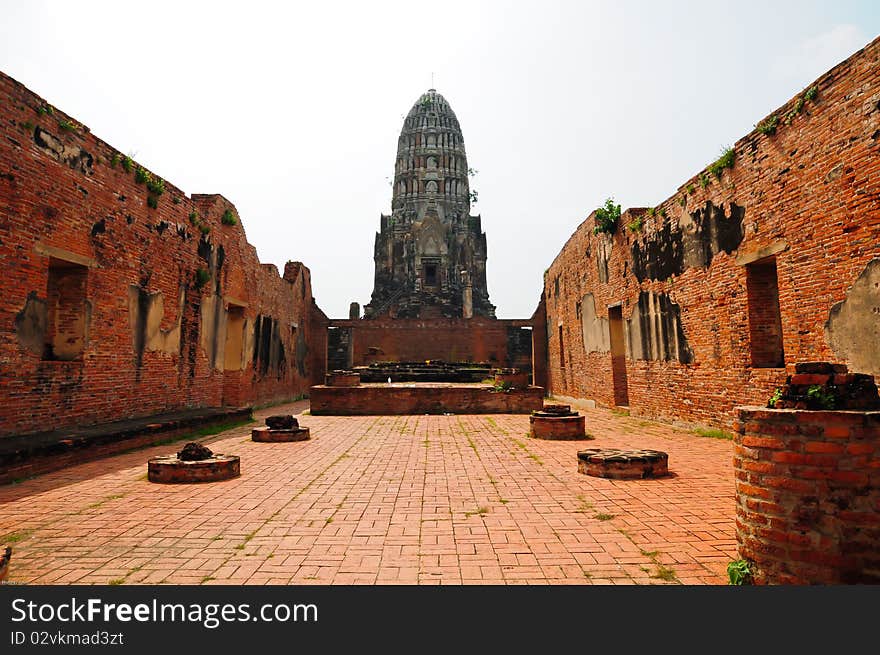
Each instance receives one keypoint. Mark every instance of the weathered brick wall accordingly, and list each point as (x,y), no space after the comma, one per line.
(123,298)
(807,495)
(365,400)
(692,277)
(477,339)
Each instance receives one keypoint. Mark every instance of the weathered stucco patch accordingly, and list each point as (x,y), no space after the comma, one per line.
(698,237)
(853,327)
(597,338)
(145,313)
(212,334)
(654,330)
(30,324)
(72,155)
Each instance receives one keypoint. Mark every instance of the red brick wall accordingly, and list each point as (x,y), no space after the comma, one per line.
(807,494)
(381,400)
(809,197)
(475,340)
(65,194)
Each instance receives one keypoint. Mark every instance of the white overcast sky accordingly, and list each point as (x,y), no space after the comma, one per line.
(292,109)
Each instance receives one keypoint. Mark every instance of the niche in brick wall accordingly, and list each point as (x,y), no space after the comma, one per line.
(765,320)
(234,345)
(67,312)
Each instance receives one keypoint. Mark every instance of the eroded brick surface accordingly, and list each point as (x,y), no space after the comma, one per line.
(690,291)
(123,297)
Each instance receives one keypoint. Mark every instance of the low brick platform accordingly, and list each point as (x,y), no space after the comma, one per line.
(342,379)
(622,464)
(422,398)
(27,455)
(268,435)
(171,470)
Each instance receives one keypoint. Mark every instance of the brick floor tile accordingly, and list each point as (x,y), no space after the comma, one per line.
(367,502)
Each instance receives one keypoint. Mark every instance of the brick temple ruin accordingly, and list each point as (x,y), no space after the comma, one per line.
(767,258)
(430,257)
(126,302)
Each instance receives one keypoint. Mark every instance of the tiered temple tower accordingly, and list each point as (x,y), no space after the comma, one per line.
(430,252)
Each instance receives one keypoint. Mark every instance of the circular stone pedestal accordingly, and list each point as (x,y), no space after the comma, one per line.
(170,469)
(4,563)
(622,464)
(277,436)
(543,425)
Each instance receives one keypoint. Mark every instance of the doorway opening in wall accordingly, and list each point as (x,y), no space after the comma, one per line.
(65,336)
(430,274)
(765,320)
(618,356)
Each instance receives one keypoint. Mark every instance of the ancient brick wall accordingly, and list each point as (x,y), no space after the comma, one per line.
(807,493)
(501,342)
(378,399)
(123,297)
(707,300)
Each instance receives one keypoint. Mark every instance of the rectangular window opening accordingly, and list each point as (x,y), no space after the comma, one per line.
(66,330)
(765,320)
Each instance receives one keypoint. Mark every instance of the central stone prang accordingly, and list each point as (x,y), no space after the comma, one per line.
(195,462)
(280,428)
(557,422)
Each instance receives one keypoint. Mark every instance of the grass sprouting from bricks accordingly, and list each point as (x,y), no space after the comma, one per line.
(665,573)
(480,510)
(601,516)
(713,433)
(107,499)
(117,581)
(15,537)
(207,578)
(739,572)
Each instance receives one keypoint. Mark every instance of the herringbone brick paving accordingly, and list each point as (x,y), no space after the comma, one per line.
(386,500)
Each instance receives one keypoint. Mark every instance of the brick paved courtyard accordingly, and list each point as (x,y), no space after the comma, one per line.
(386,500)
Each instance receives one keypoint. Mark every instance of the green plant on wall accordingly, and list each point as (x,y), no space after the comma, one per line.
(819,397)
(768,126)
(607,217)
(156,185)
(142,175)
(704,180)
(775,398)
(636,224)
(739,572)
(202,277)
(726,160)
(228,218)
(152,202)
(127,164)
